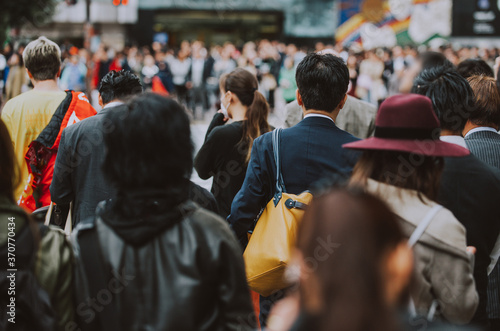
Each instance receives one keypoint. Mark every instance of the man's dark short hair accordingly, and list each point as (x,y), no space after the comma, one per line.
(119,85)
(322,81)
(451,95)
(149,146)
(474,67)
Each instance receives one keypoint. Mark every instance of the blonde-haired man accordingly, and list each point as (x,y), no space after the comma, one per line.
(27,116)
(29,113)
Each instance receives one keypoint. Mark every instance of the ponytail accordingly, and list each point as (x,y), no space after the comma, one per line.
(256,123)
(244,84)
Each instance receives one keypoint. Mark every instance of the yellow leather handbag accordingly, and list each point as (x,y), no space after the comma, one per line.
(269,248)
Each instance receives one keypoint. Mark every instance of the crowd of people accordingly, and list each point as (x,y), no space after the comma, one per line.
(399,150)
(192,71)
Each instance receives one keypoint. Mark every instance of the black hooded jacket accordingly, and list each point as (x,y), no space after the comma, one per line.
(167,266)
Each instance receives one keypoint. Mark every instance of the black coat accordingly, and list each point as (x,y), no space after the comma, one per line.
(78,175)
(176,269)
(470,189)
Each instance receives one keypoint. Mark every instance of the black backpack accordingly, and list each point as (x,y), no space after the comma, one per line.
(33,309)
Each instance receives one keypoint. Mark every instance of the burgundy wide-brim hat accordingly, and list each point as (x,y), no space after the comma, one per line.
(407,123)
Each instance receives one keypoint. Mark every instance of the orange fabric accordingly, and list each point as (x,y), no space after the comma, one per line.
(158,86)
(39,183)
(256,306)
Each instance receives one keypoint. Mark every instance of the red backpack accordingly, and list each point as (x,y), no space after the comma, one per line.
(42,152)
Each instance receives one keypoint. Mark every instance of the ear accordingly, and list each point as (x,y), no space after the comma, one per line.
(29,74)
(100,101)
(58,73)
(342,103)
(299,98)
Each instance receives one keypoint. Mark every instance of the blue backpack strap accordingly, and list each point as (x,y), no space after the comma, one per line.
(280,184)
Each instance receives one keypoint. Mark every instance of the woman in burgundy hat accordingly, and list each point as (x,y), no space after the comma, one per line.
(402,164)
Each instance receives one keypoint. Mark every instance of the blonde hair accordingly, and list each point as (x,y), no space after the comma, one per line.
(42,58)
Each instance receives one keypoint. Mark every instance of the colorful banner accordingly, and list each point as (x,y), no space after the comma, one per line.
(385,23)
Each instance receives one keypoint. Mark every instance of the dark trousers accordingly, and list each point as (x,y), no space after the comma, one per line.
(199,96)
(182,94)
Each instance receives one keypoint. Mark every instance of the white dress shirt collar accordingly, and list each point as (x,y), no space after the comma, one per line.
(112,104)
(457,140)
(319,115)
(481,128)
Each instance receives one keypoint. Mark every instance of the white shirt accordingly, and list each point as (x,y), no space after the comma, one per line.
(112,104)
(457,140)
(481,128)
(197,72)
(319,115)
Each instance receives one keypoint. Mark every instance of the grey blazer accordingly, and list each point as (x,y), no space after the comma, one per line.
(357,117)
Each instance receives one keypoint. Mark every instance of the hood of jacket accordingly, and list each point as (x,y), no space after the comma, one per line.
(139,216)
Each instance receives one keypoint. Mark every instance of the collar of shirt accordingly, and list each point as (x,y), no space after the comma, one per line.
(481,128)
(319,115)
(112,104)
(457,140)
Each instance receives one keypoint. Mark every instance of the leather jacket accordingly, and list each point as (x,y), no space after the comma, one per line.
(174,270)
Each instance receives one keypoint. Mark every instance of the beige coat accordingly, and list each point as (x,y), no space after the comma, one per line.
(443,270)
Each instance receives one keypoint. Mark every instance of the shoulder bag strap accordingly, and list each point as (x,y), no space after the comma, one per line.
(280,184)
(415,236)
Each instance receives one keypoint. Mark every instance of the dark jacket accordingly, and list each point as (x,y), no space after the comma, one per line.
(78,175)
(309,151)
(180,269)
(485,145)
(223,157)
(77,172)
(471,189)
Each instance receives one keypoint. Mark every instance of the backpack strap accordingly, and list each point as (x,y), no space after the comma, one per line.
(98,276)
(422,226)
(415,236)
(280,184)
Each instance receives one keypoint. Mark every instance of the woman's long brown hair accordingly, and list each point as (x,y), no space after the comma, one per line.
(405,170)
(244,84)
(344,239)
(9,172)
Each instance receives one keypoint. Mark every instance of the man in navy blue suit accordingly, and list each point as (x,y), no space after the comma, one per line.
(309,151)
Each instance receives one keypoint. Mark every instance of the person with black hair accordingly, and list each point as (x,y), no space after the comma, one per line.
(474,67)
(469,187)
(77,172)
(226,150)
(311,150)
(180,265)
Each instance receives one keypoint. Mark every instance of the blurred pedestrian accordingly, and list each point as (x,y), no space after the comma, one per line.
(16,78)
(287,80)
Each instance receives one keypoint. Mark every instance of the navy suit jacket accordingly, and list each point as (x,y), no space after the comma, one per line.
(309,151)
